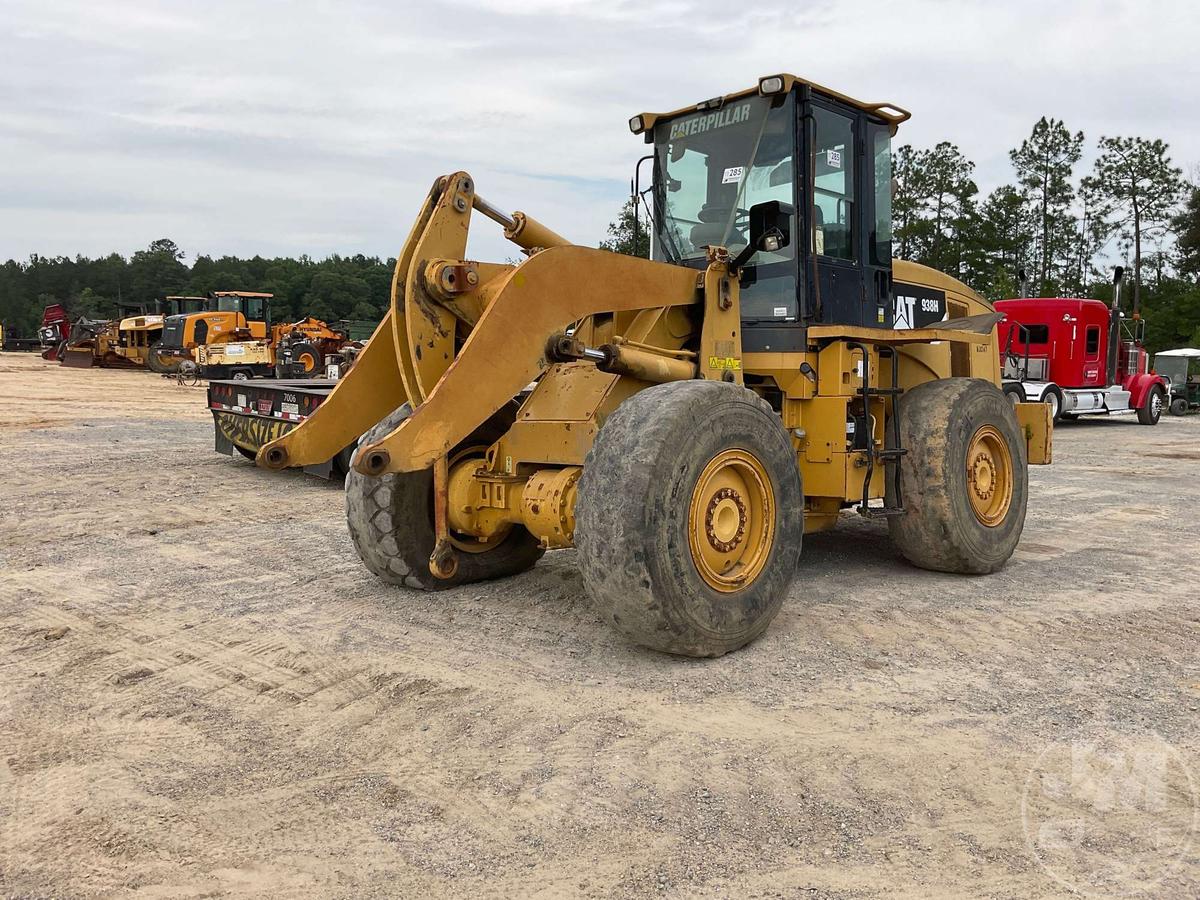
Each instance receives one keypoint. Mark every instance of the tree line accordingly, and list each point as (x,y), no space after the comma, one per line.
(1059,224)
(339,287)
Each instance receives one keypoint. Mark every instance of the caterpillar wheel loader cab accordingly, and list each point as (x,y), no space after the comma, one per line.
(683,421)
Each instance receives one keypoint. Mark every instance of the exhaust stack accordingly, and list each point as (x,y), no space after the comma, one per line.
(1114,325)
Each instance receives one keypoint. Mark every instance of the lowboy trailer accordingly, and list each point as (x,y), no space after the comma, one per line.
(250,413)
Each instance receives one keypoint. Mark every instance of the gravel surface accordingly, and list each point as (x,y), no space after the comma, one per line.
(202,691)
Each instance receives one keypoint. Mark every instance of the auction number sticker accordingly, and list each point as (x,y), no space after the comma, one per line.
(833,159)
(733,175)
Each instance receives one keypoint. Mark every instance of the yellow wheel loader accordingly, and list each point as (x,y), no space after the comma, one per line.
(683,422)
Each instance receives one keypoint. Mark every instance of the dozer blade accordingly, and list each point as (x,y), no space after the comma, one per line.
(78,358)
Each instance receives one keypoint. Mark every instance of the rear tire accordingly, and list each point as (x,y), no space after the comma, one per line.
(1179,406)
(1151,411)
(391,522)
(689,488)
(965,478)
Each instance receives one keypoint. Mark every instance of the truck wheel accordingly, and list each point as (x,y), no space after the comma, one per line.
(1014,393)
(1151,411)
(251,455)
(964,479)
(1178,406)
(1054,399)
(391,522)
(690,517)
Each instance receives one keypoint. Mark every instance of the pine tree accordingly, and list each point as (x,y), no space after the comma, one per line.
(1044,163)
(1143,189)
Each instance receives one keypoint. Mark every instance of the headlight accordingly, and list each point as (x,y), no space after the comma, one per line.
(772,84)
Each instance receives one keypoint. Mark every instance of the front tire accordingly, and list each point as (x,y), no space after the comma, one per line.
(391,522)
(964,479)
(308,359)
(1179,406)
(1151,411)
(1014,393)
(1054,399)
(690,517)
(159,364)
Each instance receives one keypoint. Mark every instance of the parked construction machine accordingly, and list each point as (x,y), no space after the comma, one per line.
(683,421)
(290,351)
(54,331)
(227,315)
(94,342)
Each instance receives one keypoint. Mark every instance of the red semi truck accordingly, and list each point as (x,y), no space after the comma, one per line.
(1081,357)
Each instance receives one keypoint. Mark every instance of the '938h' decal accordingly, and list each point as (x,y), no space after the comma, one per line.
(916,306)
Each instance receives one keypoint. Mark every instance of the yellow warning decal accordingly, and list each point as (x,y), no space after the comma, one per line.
(724,362)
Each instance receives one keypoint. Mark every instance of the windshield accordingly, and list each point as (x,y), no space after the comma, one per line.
(710,168)
(253,307)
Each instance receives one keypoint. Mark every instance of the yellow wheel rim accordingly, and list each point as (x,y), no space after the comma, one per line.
(308,362)
(731,520)
(989,476)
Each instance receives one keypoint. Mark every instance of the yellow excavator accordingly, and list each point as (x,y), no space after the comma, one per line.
(683,421)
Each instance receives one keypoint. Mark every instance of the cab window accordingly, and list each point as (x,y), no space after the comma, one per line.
(833,184)
(881,228)
(1036,334)
(1092,342)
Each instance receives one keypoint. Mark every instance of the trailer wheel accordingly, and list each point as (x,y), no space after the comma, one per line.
(1179,406)
(964,479)
(690,517)
(391,521)
(1151,411)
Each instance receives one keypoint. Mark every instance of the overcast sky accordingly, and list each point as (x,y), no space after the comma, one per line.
(287,127)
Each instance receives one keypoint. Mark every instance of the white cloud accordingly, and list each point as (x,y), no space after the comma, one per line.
(316,127)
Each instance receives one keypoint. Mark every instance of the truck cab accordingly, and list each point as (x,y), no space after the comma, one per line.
(1079,356)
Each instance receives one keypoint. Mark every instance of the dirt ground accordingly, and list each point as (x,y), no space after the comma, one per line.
(203,692)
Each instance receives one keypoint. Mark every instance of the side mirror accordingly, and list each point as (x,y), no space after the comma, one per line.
(770,230)
(770,225)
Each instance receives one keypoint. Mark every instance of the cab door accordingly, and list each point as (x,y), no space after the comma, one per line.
(837,286)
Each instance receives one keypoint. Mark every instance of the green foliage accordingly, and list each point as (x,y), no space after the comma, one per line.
(355,287)
(1143,190)
(621,233)
(1187,234)
(1044,164)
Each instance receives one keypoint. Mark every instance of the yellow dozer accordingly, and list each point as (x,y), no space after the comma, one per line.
(683,422)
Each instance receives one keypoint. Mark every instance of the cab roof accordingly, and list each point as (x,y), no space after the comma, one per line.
(770,85)
(251,294)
